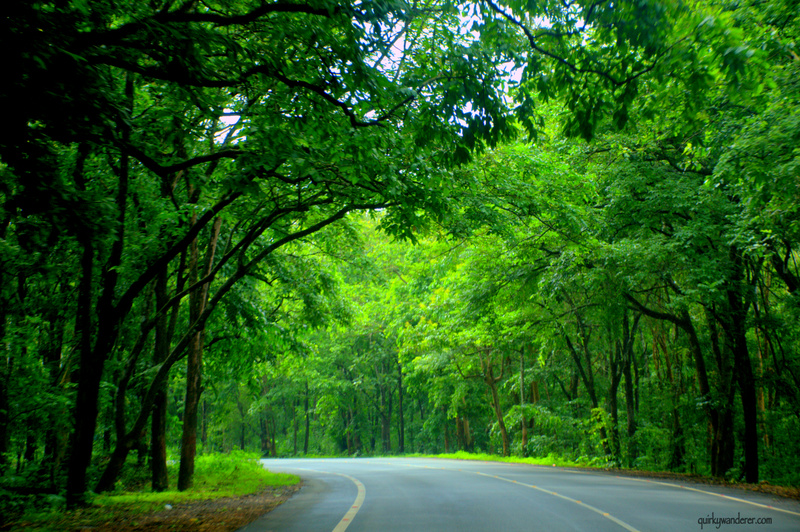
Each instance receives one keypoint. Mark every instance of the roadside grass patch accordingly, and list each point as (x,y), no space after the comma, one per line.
(549,460)
(216,476)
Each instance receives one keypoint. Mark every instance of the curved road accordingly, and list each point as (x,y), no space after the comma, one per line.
(415,494)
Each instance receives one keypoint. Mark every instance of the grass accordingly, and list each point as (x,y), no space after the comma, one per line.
(549,460)
(216,476)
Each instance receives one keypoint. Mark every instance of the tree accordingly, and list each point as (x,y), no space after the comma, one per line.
(319,117)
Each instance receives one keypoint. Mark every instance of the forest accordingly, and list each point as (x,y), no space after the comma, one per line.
(556,228)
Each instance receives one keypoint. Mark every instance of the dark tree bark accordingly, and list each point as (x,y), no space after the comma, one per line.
(628,338)
(677,445)
(615,370)
(401,429)
(158,421)
(780,263)
(487,364)
(743,368)
(524,422)
(384,394)
(179,351)
(446,432)
(308,421)
(5,373)
(5,405)
(93,357)
(587,377)
(719,416)
(295,429)
(630,405)
(56,436)
(242,414)
(88,374)
(117,406)
(464,433)
(194,361)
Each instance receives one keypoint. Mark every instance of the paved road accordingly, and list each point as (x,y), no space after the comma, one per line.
(410,494)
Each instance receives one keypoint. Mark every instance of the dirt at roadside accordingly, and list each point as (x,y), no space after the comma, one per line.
(218,515)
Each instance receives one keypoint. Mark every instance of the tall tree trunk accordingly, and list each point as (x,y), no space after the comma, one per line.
(194,360)
(274,434)
(623,371)
(56,435)
(587,377)
(267,433)
(491,381)
(613,408)
(743,367)
(92,359)
(31,442)
(262,433)
(446,432)
(522,401)
(295,429)
(677,444)
(308,422)
(719,417)
(89,373)
(386,424)
(349,430)
(204,423)
(5,369)
(467,434)
(242,413)
(401,429)
(630,407)
(5,379)
(124,442)
(721,426)
(384,412)
(158,421)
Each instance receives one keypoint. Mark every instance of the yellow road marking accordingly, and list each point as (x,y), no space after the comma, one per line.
(356,506)
(351,513)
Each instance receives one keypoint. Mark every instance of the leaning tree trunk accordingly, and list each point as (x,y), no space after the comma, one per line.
(491,381)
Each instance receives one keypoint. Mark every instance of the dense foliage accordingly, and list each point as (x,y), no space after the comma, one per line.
(377,227)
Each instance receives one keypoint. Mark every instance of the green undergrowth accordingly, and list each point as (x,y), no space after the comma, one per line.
(594,463)
(549,460)
(216,476)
